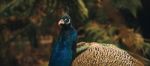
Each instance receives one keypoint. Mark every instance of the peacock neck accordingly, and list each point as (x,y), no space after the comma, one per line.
(67,37)
(66,27)
(63,49)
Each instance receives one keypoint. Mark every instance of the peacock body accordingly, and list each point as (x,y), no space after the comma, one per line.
(105,55)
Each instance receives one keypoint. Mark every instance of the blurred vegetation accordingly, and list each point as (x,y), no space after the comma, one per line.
(28,27)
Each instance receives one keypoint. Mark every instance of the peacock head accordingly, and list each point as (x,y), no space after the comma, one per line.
(65,21)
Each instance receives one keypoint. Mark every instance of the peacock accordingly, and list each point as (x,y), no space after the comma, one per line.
(65,48)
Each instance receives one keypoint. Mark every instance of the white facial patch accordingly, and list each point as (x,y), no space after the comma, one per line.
(68,22)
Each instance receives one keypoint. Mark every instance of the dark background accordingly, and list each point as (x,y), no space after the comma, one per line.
(144,18)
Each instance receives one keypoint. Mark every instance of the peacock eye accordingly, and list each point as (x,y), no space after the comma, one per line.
(66,20)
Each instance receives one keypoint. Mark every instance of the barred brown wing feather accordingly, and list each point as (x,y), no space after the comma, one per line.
(105,55)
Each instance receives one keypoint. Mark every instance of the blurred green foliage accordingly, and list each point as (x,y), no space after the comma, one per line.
(131,5)
(16,7)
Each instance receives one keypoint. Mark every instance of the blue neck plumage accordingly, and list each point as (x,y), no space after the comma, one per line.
(64,48)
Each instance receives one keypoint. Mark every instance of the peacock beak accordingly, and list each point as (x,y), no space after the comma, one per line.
(61,22)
